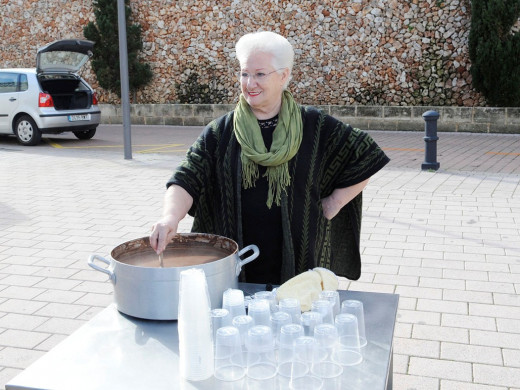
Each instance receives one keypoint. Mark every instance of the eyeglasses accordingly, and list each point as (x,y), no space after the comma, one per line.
(259,76)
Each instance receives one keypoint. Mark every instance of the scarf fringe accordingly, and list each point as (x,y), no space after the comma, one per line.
(249,172)
(278,178)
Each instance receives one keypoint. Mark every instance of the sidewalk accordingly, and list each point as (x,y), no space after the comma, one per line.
(448,242)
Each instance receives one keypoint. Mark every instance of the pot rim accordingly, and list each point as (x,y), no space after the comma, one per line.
(143,243)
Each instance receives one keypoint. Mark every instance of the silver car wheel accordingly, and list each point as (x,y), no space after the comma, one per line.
(25,131)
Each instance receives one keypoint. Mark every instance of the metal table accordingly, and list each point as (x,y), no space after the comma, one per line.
(114,351)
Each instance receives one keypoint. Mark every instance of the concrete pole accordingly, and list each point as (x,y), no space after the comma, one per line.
(123,68)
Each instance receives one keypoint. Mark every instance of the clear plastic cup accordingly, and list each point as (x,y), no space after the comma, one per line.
(330,373)
(348,350)
(307,382)
(219,319)
(288,334)
(355,307)
(304,357)
(291,306)
(323,307)
(196,354)
(260,311)
(309,320)
(269,296)
(261,363)
(243,323)
(332,296)
(233,301)
(326,336)
(229,364)
(278,320)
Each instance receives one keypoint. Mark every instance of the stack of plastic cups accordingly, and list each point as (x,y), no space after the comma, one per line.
(196,355)
(260,311)
(291,306)
(332,296)
(229,363)
(305,356)
(233,302)
(326,335)
(309,321)
(278,320)
(269,296)
(354,307)
(261,362)
(324,307)
(348,351)
(219,319)
(288,334)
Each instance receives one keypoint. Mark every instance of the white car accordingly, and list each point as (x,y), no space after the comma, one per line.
(51,98)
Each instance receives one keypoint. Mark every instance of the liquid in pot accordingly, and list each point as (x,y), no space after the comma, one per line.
(175,257)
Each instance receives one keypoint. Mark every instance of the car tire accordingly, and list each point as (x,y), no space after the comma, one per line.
(85,134)
(27,132)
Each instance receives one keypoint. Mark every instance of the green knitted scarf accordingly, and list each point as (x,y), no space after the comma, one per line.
(287,138)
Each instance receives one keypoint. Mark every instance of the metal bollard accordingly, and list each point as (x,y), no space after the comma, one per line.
(430,151)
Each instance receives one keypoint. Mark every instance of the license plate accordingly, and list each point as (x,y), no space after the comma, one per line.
(75,118)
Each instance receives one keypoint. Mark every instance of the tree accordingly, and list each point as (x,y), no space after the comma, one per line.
(494,51)
(105,59)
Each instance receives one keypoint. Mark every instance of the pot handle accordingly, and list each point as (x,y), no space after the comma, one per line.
(110,274)
(249,259)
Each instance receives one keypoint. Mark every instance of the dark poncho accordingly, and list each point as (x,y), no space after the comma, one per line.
(332,155)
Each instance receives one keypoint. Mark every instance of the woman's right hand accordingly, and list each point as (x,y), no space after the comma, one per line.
(177,202)
(162,233)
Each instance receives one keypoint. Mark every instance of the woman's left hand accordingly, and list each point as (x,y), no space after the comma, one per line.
(330,207)
(333,203)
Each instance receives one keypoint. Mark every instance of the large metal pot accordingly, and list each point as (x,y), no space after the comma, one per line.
(145,290)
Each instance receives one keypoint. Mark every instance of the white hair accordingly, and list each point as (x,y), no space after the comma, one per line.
(267,42)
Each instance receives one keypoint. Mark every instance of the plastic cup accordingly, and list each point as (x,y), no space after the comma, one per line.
(243,323)
(260,311)
(233,301)
(355,307)
(288,333)
(196,354)
(304,357)
(309,320)
(348,350)
(278,320)
(332,296)
(219,319)
(307,382)
(229,364)
(291,306)
(330,373)
(326,336)
(269,296)
(323,307)
(261,363)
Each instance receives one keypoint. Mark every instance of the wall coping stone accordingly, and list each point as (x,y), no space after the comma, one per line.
(396,118)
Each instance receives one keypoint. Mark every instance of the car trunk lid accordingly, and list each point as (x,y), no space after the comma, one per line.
(67,56)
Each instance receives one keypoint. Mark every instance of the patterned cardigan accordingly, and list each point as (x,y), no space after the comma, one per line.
(332,155)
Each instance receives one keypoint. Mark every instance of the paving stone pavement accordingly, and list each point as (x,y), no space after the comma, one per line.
(448,242)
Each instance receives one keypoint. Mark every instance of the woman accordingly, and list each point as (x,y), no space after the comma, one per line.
(285,177)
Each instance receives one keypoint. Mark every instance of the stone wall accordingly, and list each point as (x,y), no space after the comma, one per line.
(397,118)
(358,52)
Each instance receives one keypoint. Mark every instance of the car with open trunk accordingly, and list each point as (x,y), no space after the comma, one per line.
(51,98)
